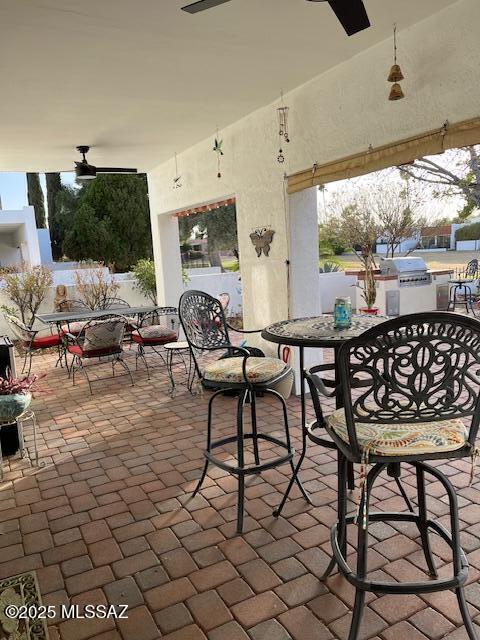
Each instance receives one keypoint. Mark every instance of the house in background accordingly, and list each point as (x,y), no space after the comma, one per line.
(21,241)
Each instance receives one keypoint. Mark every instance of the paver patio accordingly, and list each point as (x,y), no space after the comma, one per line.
(109,519)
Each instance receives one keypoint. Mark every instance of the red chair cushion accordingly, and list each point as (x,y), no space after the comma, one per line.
(154,335)
(93,353)
(44,342)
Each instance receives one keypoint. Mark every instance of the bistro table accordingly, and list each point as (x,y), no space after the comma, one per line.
(317,332)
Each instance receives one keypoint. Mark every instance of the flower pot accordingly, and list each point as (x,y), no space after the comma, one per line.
(12,406)
(369,312)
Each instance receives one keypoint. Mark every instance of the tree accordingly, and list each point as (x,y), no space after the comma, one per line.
(144,274)
(27,289)
(394,205)
(54,188)
(356,227)
(112,221)
(35,199)
(220,228)
(455,173)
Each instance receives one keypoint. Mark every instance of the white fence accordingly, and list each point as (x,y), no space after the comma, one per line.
(216,283)
(332,285)
(468,245)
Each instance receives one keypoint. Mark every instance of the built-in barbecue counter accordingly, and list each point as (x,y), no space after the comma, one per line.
(406,285)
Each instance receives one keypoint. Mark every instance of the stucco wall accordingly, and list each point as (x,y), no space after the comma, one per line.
(338,113)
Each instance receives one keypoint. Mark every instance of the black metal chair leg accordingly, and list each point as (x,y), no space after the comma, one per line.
(467,620)
(202,478)
(423,521)
(350,476)
(342,472)
(362,551)
(209,443)
(253,412)
(241,459)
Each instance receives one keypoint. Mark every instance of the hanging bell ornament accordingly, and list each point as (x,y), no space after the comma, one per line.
(395,74)
(396,92)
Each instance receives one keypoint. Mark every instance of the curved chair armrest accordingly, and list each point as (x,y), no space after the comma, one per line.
(71,338)
(321,385)
(243,330)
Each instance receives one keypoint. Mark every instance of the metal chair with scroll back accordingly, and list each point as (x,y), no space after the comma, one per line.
(207,331)
(463,287)
(100,339)
(411,395)
(155,330)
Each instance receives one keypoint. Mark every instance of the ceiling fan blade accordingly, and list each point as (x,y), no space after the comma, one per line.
(115,170)
(352,15)
(202,5)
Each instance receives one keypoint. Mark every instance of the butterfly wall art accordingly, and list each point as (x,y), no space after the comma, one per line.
(261,240)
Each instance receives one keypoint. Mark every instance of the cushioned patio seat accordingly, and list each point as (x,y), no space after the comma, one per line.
(402,439)
(259,370)
(76,350)
(154,335)
(44,342)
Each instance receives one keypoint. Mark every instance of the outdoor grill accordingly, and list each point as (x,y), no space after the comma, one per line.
(410,271)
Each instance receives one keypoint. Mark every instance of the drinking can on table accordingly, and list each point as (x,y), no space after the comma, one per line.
(342,314)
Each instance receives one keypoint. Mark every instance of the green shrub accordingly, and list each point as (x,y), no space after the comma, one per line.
(144,275)
(468,232)
(329,267)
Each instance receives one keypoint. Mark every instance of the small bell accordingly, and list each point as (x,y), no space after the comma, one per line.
(396,92)
(395,74)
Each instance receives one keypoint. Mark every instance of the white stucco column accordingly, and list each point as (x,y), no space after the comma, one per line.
(168,263)
(304,284)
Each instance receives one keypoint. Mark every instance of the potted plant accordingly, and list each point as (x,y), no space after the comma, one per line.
(15,396)
(369,293)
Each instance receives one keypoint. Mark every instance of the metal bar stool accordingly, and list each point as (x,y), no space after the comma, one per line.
(411,395)
(247,375)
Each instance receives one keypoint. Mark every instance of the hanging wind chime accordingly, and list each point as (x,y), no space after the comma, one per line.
(217,147)
(282,113)
(177,180)
(395,75)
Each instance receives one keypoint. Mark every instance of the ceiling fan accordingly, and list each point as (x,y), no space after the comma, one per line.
(351,13)
(86,171)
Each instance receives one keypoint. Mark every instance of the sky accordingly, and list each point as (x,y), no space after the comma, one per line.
(13,188)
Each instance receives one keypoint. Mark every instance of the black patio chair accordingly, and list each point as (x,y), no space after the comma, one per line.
(99,340)
(207,331)
(410,388)
(461,293)
(155,330)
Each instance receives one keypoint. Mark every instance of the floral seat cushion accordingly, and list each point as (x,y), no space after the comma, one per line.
(154,334)
(259,370)
(402,439)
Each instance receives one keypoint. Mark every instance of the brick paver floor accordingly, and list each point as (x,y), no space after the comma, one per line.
(109,519)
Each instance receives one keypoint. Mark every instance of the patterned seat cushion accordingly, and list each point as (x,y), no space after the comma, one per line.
(259,370)
(154,334)
(402,439)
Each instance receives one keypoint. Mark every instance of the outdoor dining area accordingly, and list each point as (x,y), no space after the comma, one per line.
(236,508)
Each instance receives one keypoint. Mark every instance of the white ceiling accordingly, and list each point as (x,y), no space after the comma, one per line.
(140,79)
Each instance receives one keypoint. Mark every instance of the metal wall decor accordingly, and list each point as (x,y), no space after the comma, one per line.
(261,240)
(177,180)
(395,75)
(282,113)
(217,147)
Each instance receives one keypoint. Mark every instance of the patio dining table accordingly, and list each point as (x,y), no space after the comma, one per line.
(317,332)
(64,317)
